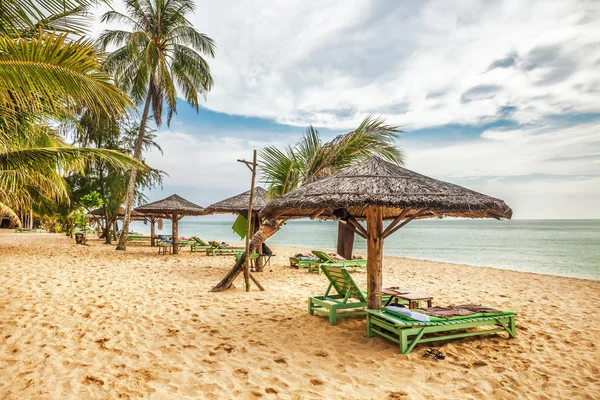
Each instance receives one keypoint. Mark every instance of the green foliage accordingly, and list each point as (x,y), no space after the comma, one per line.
(92,200)
(160,55)
(311,159)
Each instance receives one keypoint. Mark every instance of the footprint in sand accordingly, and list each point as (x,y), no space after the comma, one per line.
(92,380)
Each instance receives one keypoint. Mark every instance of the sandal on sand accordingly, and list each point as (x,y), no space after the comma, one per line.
(434,353)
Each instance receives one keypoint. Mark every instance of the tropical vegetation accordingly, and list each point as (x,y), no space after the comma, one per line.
(51,75)
(157,59)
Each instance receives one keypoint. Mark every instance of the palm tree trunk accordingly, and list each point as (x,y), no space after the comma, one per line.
(133,175)
(267,230)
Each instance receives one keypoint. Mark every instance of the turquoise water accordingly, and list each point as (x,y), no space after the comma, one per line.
(555,247)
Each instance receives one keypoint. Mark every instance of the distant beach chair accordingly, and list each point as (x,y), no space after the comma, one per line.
(408,332)
(326,259)
(166,245)
(302,262)
(138,237)
(348,296)
(199,244)
(218,249)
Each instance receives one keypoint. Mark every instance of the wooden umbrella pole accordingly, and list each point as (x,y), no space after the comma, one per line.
(249,226)
(152,230)
(175,233)
(374,256)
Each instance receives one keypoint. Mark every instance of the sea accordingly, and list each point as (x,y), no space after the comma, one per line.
(555,247)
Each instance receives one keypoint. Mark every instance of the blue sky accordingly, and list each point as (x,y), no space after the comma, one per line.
(501,97)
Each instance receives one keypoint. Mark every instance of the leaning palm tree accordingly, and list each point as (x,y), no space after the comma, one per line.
(157,58)
(311,159)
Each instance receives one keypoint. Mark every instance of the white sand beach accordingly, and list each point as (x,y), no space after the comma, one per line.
(88,322)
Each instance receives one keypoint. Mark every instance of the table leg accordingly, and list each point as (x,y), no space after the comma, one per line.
(429,303)
(389,300)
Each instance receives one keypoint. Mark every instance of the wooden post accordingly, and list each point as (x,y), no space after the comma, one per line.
(249,229)
(345,240)
(374,256)
(152,230)
(259,262)
(175,233)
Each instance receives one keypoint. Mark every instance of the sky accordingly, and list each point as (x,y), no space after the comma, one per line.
(499,96)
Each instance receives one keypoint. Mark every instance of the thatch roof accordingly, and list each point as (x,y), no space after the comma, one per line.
(376,182)
(239,203)
(172,204)
(135,215)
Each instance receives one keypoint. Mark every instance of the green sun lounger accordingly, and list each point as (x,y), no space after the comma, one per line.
(326,259)
(138,238)
(408,332)
(302,262)
(348,296)
(198,244)
(218,249)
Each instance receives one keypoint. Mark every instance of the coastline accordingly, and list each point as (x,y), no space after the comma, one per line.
(87,321)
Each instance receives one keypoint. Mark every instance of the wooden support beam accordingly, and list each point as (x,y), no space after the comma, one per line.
(395,222)
(315,215)
(357,225)
(406,221)
(257,283)
(374,256)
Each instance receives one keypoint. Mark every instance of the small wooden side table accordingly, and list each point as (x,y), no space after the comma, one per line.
(413,298)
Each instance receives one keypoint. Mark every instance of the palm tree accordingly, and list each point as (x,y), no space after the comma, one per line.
(159,57)
(311,159)
(47,80)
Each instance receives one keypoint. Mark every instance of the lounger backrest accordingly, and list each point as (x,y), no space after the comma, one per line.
(216,244)
(200,241)
(342,282)
(323,257)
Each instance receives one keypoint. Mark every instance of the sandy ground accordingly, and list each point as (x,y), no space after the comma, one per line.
(87,322)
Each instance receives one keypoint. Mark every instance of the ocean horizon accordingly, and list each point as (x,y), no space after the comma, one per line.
(555,247)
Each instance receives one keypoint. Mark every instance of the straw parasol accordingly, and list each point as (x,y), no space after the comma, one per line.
(238,204)
(377,190)
(120,214)
(174,208)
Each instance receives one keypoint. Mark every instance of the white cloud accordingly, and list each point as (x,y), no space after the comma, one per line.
(302,62)
(421,64)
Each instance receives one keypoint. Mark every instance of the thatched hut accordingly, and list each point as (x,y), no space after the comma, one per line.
(174,208)
(377,190)
(238,204)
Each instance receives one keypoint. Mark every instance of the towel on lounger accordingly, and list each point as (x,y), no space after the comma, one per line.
(411,314)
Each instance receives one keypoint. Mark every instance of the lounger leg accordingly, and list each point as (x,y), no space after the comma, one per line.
(332,315)
(403,342)
(369,327)
(513,328)
(311,310)
(415,341)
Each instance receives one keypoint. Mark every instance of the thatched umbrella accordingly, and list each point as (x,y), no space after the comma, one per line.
(120,214)
(377,190)
(238,204)
(174,208)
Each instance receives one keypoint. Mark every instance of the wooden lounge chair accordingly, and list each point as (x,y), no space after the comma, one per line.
(218,249)
(138,238)
(302,262)
(199,244)
(408,333)
(326,259)
(165,247)
(348,296)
